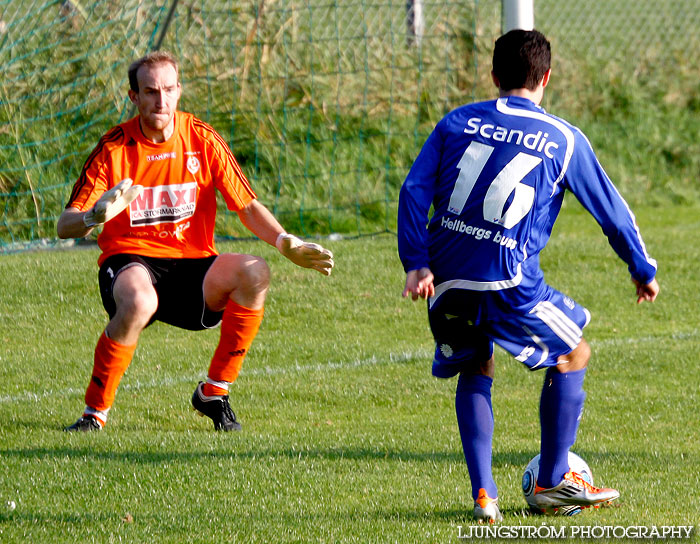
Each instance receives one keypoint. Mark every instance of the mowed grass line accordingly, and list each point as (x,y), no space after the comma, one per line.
(347,437)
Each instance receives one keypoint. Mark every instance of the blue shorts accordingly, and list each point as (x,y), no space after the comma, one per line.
(465,324)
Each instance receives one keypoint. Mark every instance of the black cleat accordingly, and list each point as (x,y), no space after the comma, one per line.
(217,408)
(84,424)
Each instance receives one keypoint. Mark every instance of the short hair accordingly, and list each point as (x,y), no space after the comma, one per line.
(152,59)
(520,59)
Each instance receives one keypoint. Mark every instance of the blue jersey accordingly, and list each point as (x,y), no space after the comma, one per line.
(495,173)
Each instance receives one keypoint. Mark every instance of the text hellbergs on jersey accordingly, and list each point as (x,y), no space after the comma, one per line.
(457,225)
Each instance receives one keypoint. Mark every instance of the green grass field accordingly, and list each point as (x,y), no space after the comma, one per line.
(346,437)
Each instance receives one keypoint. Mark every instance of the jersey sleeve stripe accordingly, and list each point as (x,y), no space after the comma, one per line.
(210,130)
(112,136)
(652,262)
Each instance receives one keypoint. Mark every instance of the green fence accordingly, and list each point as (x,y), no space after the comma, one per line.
(325,103)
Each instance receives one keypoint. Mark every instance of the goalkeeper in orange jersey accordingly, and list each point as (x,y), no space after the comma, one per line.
(151,183)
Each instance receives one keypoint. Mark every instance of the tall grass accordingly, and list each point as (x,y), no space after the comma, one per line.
(325,104)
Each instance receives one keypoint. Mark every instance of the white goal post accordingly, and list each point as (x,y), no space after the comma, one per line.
(517,14)
(415,21)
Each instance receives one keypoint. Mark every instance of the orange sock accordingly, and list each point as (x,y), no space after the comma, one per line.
(111,361)
(239,326)
(211,388)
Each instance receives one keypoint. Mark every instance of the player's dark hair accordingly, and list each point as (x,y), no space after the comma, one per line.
(152,59)
(520,59)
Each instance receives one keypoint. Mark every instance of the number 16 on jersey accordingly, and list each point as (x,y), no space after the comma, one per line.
(509,179)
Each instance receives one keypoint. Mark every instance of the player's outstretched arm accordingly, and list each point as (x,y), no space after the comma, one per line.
(70,224)
(75,224)
(419,284)
(260,221)
(646,291)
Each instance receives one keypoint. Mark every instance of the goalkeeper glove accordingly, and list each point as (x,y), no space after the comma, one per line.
(305,254)
(112,202)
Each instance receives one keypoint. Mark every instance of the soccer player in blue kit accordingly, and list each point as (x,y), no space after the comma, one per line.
(495,173)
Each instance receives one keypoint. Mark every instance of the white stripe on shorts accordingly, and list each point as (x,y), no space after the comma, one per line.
(559,322)
(543,347)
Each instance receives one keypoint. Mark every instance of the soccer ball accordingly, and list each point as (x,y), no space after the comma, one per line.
(530,477)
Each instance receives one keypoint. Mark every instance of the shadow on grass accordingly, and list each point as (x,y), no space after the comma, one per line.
(89,451)
(156,457)
(454,516)
(59,517)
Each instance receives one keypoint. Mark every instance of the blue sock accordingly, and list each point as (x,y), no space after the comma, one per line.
(475,419)
(561,405)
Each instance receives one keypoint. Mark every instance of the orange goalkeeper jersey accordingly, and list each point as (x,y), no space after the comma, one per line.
(175,215)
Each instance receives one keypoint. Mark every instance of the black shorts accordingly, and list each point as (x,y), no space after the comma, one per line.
(178,283)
